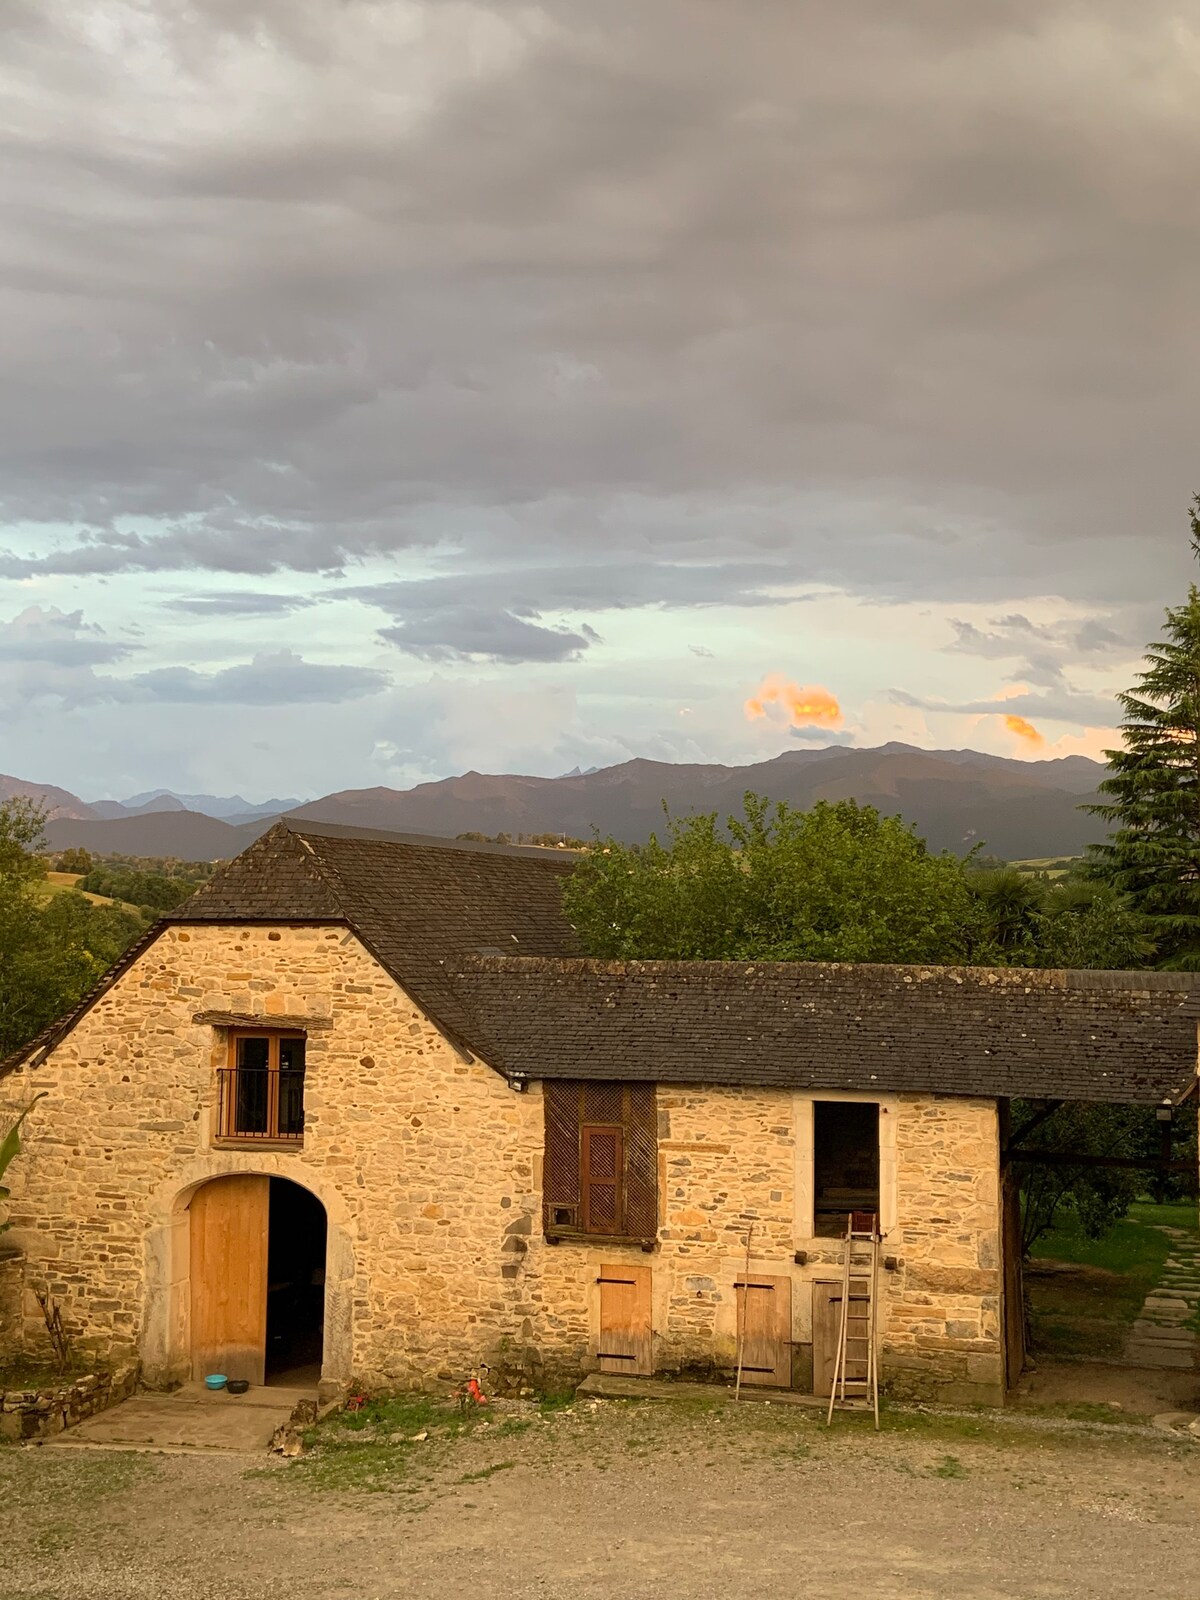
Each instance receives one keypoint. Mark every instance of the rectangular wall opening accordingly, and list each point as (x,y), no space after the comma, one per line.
(845,1163)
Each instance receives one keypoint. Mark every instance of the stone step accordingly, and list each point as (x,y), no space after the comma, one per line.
(1143,1354)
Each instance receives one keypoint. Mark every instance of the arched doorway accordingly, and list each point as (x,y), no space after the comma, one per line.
(258,1247)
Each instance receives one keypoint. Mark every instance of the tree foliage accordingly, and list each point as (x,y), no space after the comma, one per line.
(837,883)
(1153,787)
(52,950)
(151,892)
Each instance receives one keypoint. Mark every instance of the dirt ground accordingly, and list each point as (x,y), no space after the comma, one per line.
(617,1500)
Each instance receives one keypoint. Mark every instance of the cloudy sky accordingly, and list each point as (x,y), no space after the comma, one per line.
(393,388)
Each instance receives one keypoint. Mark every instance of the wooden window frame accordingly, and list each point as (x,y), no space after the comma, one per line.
(228,1135)
(568,1209)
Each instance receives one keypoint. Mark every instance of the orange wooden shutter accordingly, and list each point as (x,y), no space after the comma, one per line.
(625,1312)
(765,1315)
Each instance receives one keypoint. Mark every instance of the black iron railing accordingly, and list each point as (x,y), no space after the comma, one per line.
(260,1103)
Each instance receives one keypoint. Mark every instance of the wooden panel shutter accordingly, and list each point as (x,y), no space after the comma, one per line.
(625,1343)
(560,1167)
(765,1314)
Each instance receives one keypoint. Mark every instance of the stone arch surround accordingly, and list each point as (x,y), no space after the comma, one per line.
(166,1326)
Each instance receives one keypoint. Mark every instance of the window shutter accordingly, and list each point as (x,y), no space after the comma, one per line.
(641,1161)
(560,1168)
(600,1167)
(602,1171)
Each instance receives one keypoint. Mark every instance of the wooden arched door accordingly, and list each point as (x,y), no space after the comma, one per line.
(230,1226)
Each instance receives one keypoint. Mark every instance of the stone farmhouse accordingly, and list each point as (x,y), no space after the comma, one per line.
(360,1109)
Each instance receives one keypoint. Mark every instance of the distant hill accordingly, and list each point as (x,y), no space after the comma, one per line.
(59,802)
(187,835)
(956,799)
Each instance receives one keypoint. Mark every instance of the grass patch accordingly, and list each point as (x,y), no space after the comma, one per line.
(950,1467)
(1087,1312)
(397,1444)
(556,1400)
(41,1374)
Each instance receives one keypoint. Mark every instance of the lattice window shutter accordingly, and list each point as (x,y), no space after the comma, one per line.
(560,1173)
(641,1161)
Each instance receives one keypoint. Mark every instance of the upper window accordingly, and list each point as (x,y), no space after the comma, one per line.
(262,1089)
(600,1175)
(845,1163)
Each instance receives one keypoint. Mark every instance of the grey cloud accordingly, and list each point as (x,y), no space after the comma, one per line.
(272,678)
(1043,653)
(57,639)
(239,603)
(1061,705)
(464,633)
(498,616)
(902,295)
(701,650)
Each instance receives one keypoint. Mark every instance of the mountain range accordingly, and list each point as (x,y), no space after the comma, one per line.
(955,798)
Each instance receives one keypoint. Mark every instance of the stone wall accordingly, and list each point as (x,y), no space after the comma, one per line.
(12,1301)
(41,1412)
(729,1158)
(429,1167)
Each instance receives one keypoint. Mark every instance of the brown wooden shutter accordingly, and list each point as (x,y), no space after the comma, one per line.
(765,1310)
(600,1168)
(602,1174)
(560,1167)
(641,1161)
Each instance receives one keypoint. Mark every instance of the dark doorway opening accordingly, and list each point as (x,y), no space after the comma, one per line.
(295,1285)
(845,1162)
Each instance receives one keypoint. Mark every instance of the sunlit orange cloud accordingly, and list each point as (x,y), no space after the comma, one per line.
(807,706)
(1024,730)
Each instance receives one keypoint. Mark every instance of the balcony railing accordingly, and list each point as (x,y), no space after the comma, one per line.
(260,1103)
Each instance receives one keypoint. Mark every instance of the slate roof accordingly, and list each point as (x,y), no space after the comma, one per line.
(476,935)
(414,900)
(1089,1036)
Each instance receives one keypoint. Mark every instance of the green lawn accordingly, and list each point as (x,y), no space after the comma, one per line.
(1087,1310)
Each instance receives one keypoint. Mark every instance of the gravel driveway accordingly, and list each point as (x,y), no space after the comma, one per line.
(614,1500)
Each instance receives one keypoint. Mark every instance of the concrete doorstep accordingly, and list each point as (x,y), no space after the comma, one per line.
(189,1419)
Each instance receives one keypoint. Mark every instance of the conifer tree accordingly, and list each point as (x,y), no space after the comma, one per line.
(1153,788)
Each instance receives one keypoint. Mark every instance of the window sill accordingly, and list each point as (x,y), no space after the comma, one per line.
(559,1236)
(235,1143)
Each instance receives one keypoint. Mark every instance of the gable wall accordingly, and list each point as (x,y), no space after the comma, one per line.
(430,1171)
(424,1162)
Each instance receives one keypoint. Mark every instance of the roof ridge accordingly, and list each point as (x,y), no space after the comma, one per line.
(304,826)
(1181,983)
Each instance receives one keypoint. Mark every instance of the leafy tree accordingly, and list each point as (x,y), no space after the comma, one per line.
(10,1149)
(76,859)
(51,950)
(1153,787)
(151,892)
(1099,1196)
(837,883)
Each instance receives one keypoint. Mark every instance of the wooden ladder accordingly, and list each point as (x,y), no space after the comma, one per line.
(856,1370)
